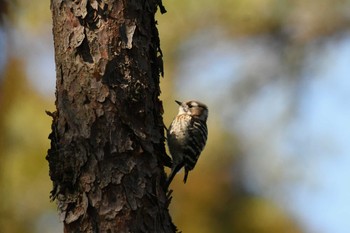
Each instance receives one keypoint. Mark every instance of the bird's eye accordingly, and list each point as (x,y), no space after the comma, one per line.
(192,104)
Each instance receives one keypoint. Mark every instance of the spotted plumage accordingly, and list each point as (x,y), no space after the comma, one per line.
(187,136)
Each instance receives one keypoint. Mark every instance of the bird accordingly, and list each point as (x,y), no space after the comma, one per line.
(187,136)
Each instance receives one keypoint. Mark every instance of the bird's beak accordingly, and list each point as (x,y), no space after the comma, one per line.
(178,102)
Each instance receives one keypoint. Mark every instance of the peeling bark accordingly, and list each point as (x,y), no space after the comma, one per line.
(107,142)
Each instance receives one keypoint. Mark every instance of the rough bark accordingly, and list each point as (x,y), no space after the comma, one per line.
(107,142)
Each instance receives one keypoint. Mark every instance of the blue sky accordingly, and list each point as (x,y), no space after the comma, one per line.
(325,116)
(303,163)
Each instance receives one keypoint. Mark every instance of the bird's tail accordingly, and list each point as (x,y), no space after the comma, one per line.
(186,174)
(173,172)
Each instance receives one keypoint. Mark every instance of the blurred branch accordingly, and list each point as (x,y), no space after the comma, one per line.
(3,9)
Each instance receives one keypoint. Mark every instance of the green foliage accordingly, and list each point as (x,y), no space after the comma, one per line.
(24,195)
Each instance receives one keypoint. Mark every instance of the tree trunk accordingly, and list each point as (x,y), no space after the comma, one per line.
(107,142)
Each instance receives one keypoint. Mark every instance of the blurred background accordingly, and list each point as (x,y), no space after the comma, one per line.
(276,77)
